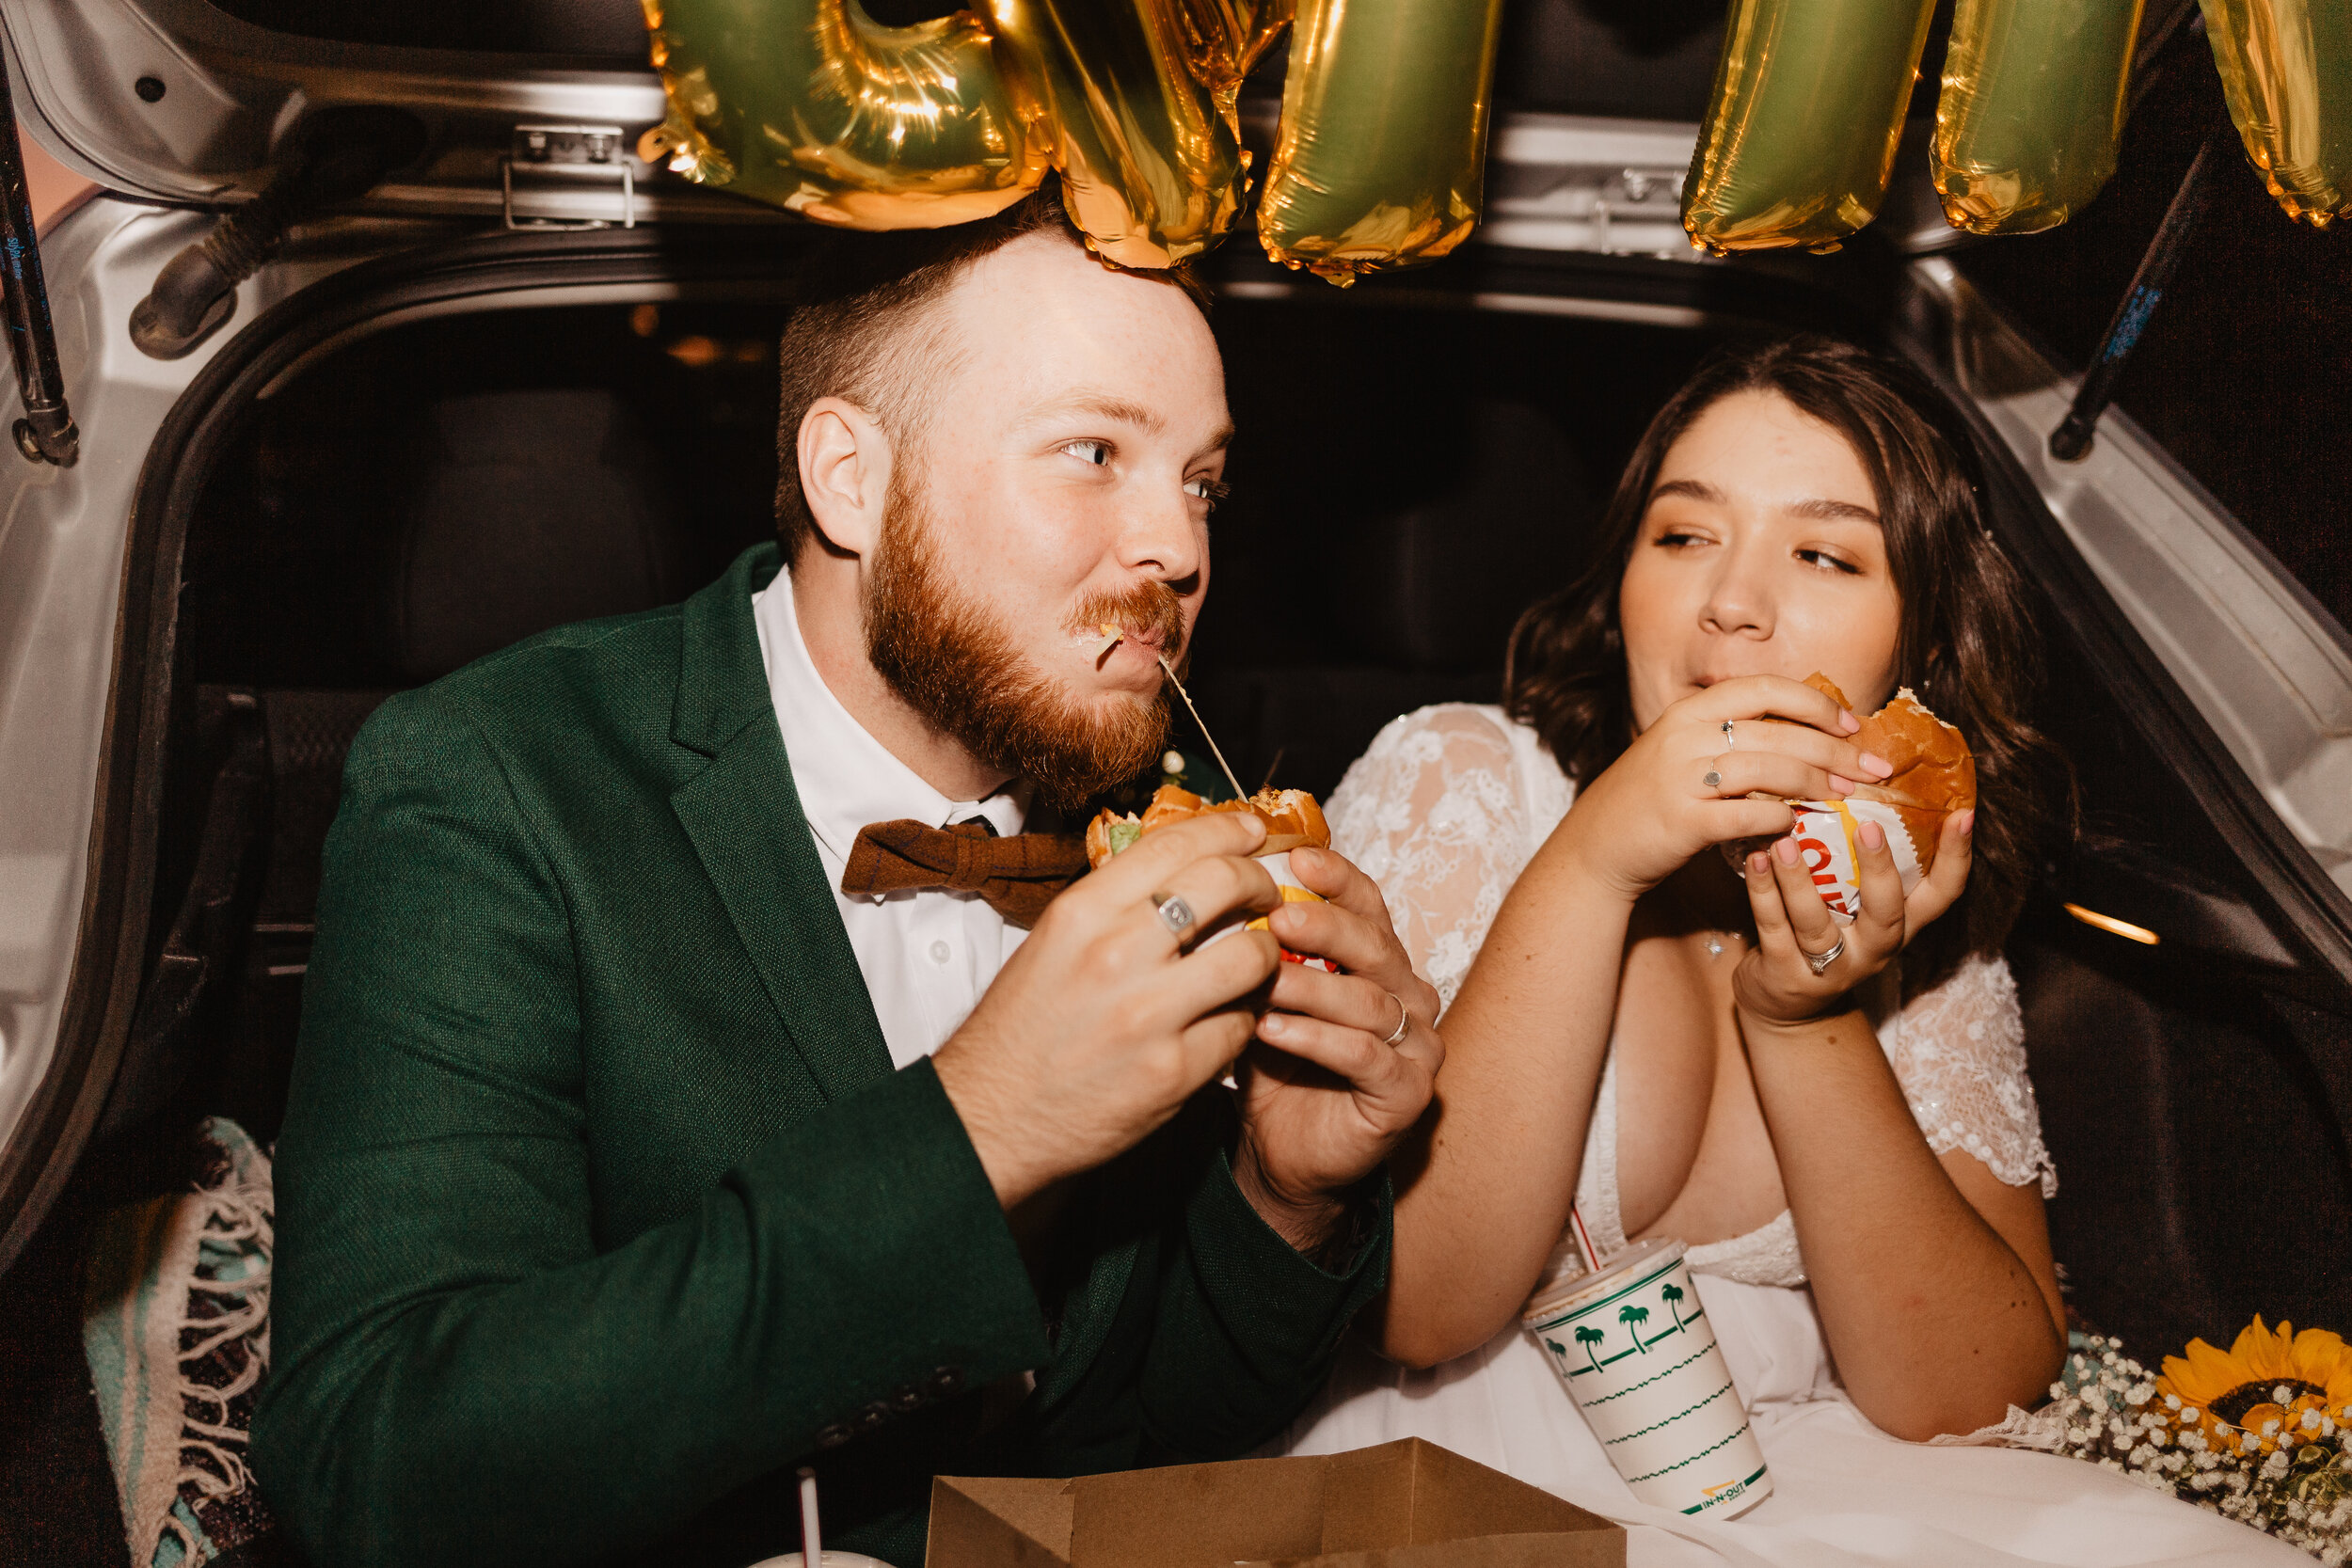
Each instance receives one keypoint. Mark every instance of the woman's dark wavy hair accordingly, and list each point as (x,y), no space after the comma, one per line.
(1967,645)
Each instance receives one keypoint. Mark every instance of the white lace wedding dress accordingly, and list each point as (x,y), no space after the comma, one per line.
(1444,811)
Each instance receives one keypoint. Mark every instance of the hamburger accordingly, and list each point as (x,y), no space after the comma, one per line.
(1934,773)
(1293,821)
(1934,776)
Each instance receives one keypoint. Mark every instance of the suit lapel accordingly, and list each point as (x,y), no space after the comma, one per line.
(744,819)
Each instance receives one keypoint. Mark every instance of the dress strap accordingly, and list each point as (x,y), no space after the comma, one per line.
(1597,1183)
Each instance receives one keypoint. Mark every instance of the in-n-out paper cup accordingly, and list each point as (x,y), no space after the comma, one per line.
(1634,1348)
(1828,841)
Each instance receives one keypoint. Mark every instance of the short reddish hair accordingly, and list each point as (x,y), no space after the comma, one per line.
(856,332)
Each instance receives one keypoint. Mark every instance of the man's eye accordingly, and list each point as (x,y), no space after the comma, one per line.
(1096,452)
(1209,490)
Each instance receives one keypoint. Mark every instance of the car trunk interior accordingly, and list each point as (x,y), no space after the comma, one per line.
(1407,478)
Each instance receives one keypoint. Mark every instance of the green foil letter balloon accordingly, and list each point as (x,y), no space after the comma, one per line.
(1799,137)
(809,104)
(1380,159)
(2286,67)
(2032,110)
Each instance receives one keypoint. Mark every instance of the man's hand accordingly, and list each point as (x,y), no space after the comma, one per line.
(1101,1027)
(1322,1110)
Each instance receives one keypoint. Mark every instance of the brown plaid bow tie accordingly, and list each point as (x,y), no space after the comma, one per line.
(1016,876)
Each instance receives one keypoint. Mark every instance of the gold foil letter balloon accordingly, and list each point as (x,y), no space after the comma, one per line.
(1380,160)
(1148,149)
(1799,137)
(809,104)
(2032,110)
(2286,67)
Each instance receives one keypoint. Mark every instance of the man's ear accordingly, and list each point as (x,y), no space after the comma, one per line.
(845,474)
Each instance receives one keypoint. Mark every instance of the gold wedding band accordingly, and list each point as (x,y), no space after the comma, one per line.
(1404,1019)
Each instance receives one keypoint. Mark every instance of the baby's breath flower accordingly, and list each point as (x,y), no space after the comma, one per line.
(2293,1478)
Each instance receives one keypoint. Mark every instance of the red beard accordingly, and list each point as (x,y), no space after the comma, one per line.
(960,670)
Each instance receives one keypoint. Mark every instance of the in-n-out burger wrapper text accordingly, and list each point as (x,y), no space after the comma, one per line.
(1934,776)
(1293,821)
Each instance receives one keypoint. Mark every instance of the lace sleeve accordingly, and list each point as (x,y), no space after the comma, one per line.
(1432,812)
(1959,1051)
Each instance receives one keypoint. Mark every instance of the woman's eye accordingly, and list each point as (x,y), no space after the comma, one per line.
(1097,453)
(1675,539)
(1824,561)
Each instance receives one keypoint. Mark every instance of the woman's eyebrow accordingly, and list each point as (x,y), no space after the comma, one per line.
(1697,489)
(1832,510)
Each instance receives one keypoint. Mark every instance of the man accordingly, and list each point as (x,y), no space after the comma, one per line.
(600,1203)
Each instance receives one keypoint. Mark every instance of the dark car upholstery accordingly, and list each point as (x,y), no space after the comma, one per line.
(425,499)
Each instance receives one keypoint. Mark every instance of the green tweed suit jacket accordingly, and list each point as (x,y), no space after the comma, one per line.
(600,1207)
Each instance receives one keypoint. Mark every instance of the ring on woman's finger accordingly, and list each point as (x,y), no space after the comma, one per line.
(1404,1019)
(1728,742)
(1821,961)
(1713,779)
(1178,917)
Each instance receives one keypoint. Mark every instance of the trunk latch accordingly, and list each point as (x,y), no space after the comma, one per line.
(573,153)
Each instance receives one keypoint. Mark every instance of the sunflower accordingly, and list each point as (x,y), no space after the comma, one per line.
(2274,1388)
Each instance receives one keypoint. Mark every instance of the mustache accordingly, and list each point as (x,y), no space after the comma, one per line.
(1149,612)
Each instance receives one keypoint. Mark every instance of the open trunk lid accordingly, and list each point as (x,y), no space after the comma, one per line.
(531,108)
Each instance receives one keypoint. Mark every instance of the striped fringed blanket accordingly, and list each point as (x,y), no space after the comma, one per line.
(175,1326)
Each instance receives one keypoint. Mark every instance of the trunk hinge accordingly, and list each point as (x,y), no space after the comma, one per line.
(339,156)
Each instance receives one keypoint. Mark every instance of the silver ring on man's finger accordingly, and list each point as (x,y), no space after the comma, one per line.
(1178,917)
(1728,742)
(1818,962)
(1404,1019)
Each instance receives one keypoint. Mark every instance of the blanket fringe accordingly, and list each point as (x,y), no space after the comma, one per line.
(184,1292)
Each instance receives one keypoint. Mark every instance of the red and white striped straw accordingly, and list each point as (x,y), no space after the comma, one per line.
(1585,1248)
(812,1540)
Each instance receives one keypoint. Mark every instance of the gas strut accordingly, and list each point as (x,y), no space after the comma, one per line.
(46,433)
(2071,441)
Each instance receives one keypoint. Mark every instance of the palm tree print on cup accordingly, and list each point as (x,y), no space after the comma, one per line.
(1633,1318)
(1588,1337)
(1672,1294)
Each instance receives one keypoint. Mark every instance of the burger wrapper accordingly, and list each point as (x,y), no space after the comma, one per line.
(1829,843)
(1293,891)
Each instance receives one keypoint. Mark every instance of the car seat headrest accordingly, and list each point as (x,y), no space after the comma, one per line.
(1437,586)
(532,507)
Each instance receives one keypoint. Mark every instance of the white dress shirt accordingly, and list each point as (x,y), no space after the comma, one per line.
(926,957)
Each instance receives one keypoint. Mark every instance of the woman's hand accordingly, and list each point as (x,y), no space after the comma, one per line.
(1775,984)
(1682,785)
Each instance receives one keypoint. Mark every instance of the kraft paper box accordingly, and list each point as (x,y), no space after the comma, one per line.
(1402,1505)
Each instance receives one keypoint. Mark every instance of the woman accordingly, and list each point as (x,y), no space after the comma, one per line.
(1853,1156)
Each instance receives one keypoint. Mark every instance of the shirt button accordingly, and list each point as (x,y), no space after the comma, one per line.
(939,952)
